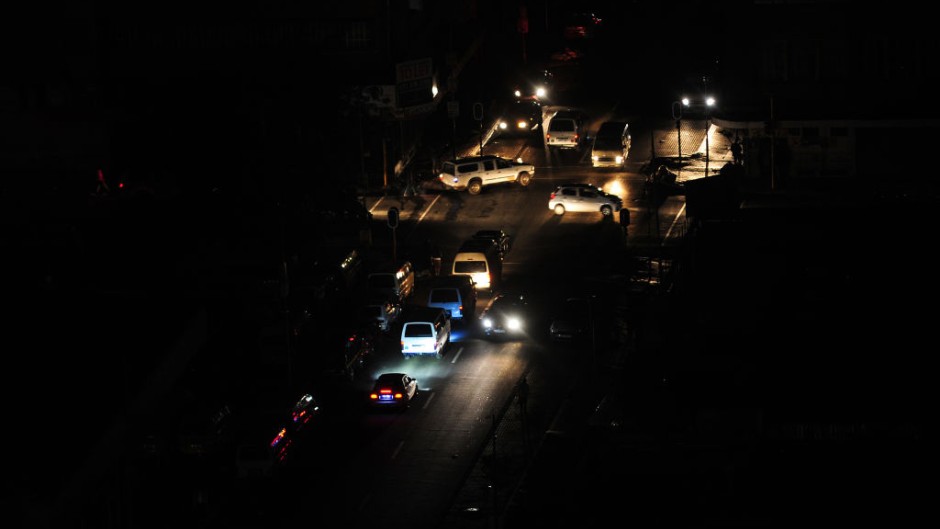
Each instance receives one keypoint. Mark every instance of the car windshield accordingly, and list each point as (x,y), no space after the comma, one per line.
(444,295)
(606,144)
(469,267)
(418,330)
(562,125)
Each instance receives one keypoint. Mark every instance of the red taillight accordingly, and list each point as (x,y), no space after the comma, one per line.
(552,197)
(385,391)
(576,136)
(547,136)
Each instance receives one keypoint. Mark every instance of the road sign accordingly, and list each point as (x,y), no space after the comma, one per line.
(478,111)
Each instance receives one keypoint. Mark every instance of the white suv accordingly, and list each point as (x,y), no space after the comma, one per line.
(473,173)
(583,198)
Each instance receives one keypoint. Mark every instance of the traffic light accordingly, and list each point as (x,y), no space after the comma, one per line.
(393,217)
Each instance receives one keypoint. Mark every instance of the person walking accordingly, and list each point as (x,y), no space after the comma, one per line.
(736,151)
(436,256)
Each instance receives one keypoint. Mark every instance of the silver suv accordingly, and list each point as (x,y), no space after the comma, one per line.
(583,198)
(473,173)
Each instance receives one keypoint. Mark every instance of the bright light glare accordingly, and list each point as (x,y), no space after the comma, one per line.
(540,92)
(522,125)
(710,101)
(615,188)
(518,93)
(685,101)
(619,159)
(503,125)
(487,322)
(434,90)
(514,324)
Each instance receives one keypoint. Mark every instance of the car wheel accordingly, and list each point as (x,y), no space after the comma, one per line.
(559,209)
(606,211)
(524,179)
(474,187)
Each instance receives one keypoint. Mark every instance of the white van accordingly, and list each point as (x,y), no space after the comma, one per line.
(479,261)
(425,332)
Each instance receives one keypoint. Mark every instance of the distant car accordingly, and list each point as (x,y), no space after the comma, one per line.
(503,240)
(585,199)
(520,118)
(533,84)
(393,390)
(581,25)
(507,315)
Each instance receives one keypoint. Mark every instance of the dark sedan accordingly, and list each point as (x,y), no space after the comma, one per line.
(506,315)
(520,118)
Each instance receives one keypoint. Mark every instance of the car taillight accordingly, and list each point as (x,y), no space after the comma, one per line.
(547,136)
(398,396)
(552,197)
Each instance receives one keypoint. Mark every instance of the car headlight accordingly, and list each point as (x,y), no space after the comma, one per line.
(540,92)
(522,124)
(619,159)
(518,93)
(487,322)
(503,125)
(513,323)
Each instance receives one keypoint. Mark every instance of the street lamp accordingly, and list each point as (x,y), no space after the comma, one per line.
(709,103)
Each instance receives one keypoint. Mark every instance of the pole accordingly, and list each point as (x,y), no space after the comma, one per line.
(453,136)
(679,140)
(707,149)
(652,145)
(773,141)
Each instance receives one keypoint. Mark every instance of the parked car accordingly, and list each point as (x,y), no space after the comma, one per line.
(583,198)
(502,239)
(475,172)
(379,311)
(570,322)
(507,315)
(393,390)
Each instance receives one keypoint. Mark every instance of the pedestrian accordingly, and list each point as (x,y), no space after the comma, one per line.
(436,256)
(736,151)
